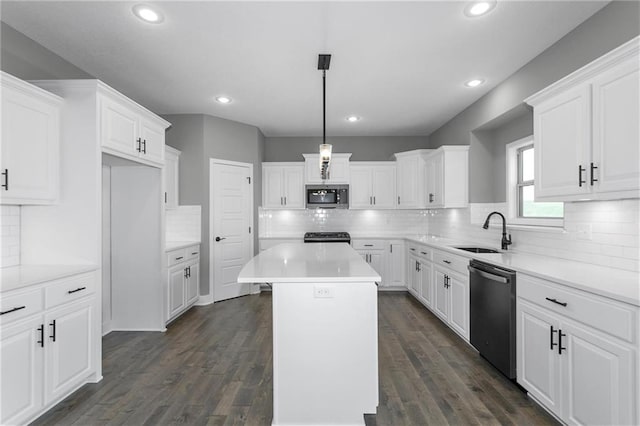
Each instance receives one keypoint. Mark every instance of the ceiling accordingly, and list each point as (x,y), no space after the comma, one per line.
(398,65)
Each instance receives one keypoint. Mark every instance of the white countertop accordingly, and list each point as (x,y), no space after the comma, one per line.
(614,283)
(176,245)
(16,277)
(300,262)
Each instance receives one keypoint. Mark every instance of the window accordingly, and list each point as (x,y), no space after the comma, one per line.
(522,208)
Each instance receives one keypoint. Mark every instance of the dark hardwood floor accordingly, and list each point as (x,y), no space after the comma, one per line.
(213,366)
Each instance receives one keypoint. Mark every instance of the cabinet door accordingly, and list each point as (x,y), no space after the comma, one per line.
(562,138)
(69,347)
(21,363)
(152,148)
(377,262)
(440,293)
(383,184)
(459,303)
(435,181)
(176,290)
(616,128)
(360,195)
(598,379)
(294,187)
(272,187)
(170,177)
(396,265)
(410,173)
(426,285)
(193,282)
(414,276)
(538,362)
(338,170)
(119,128)
(29,155)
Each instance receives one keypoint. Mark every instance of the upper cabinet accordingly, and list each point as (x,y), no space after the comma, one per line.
(411,179)
(447,174)
(587,131)
(170,177)
(130,131)
(372,185)
(29,157)
(338,169)
(283,185)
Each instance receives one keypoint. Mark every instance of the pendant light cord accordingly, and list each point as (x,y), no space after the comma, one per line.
(324,106)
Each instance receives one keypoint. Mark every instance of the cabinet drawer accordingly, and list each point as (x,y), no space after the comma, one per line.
(451,261)
(423,252)
(368,244)
(68,290)
(192,252)
(176,256)
(606,315)
(20,305)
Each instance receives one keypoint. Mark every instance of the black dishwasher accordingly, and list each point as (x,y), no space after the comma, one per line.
(492,316)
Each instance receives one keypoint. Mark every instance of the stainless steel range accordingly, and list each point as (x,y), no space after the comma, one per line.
(327,237)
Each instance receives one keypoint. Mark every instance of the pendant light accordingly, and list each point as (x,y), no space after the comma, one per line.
(325,148)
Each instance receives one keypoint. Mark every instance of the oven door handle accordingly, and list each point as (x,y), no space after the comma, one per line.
(488,275)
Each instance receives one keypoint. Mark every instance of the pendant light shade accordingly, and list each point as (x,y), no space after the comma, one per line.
(325,149)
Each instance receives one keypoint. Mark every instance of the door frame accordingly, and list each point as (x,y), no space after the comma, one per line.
(212,161)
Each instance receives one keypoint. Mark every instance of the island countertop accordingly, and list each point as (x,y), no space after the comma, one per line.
(300,262)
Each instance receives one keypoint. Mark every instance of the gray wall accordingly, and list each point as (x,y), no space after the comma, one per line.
(610,27)
(487,157)
(363,148)
(202,137)
(24,58)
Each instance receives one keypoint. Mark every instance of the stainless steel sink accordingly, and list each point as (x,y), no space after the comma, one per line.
(478,249)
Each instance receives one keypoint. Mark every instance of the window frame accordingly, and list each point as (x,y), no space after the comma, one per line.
(515,183)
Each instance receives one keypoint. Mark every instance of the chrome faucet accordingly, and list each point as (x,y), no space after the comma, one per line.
(506,241)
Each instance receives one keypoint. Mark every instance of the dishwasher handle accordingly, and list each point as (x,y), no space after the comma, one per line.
(488,275)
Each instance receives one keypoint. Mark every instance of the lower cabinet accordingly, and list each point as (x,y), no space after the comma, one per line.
(45,354)
(396,265)
(183,280)
(568,364)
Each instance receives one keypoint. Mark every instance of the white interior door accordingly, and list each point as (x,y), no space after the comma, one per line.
(231,236)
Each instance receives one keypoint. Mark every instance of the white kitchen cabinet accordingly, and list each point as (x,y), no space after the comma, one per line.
(577,353)
(70,337)
(451,291)
(338,169)
(396,265)
(183,278)
(411,179)
(373,185)
(22,379)
(283,185)
(170,177)
(130,131)
(30,152)
(414,276)
(587,131)
(425,269)
(49,345)
(373,252)
(447,177)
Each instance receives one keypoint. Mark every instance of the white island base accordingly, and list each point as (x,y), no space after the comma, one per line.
(325,332)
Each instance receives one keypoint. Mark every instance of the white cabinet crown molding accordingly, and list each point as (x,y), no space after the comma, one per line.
(592,69)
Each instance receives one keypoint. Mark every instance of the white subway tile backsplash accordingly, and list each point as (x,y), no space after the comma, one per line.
(10,232)
(183,223)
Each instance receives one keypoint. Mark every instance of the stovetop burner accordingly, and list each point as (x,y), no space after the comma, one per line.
(327,237)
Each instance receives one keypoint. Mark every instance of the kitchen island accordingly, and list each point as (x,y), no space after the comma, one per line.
(325,332)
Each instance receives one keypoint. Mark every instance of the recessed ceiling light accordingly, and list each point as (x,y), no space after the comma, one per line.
(479,8)
(474,83)
(223,99)
(147,14)
(353,118)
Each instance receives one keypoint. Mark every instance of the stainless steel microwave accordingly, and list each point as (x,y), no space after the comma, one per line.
(327,196)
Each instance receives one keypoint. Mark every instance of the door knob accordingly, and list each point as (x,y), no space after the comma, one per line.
(220,239)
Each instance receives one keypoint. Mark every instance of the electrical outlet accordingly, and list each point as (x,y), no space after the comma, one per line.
(584,231)
(323,292)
